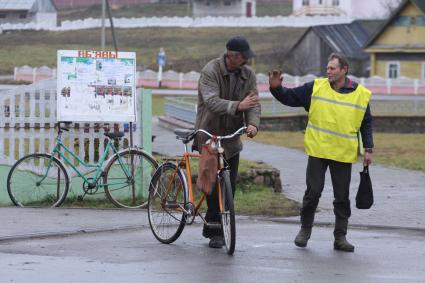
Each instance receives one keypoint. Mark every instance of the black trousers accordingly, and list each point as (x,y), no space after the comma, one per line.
(315,179)
(212,214)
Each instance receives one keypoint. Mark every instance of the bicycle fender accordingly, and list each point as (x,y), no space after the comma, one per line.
(128,149)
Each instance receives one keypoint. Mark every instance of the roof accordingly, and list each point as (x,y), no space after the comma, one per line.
(418,3)
(16,4)
(347,39)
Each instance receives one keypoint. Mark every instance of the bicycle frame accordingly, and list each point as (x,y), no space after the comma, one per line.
(99,166)
(184,162)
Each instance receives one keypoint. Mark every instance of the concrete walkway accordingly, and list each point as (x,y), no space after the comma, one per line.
(399,194)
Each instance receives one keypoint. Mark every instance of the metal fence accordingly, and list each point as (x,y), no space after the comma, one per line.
(184,108)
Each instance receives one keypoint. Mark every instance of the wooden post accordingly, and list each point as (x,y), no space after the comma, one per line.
(146,123)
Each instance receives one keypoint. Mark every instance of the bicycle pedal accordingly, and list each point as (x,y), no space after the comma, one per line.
(80,198)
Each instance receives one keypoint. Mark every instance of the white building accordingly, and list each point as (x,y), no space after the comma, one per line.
(40,12)
(357,9)
(224,8)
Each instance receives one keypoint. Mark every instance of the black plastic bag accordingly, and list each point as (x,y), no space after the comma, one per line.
(364,197)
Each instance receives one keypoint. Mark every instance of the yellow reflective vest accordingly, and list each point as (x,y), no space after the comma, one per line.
(334,120)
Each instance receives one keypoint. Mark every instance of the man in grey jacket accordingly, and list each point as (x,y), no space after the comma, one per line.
(227,100)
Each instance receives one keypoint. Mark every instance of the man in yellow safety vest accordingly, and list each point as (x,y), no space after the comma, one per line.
(338,109)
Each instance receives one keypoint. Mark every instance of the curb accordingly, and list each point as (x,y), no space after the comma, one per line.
(354,226)
(39,235)
(31,236)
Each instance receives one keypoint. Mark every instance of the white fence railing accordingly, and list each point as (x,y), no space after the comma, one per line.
(27,121)
(188,22)
(172,79)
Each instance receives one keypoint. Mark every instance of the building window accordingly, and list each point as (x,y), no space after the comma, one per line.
(335,2)
(227,3)
(306,2)
(320,2)
(393,70)
(22,16)
(2,16)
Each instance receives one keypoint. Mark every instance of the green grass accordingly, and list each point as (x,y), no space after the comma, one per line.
(187,48)
(400,150)
(157,105)
(251,199)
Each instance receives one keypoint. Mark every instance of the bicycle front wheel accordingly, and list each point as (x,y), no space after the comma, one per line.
(127,177)
(167,199)
(227,212)
(38,180)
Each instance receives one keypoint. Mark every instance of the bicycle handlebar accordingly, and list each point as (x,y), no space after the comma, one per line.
(187,135)
(240,131)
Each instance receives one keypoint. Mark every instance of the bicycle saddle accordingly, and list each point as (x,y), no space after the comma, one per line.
(184,134)
(114,135)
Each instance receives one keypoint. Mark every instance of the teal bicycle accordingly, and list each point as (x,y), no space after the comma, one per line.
(42,179)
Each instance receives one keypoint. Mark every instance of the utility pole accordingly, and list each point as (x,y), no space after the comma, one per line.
(102,40)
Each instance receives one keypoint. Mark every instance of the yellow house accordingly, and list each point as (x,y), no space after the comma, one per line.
(397,49)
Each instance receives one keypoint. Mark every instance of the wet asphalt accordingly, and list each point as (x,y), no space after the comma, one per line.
(113,245)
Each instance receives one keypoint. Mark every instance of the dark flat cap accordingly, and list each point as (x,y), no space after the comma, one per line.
(240,44)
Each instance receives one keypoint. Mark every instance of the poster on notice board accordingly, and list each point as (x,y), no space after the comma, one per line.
(96,86)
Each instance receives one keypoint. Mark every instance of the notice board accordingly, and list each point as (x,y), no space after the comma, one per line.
(96,86)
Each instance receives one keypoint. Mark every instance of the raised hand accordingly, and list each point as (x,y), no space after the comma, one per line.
(275,78)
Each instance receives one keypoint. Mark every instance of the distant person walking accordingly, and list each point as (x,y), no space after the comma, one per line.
(337,109)
(227,100)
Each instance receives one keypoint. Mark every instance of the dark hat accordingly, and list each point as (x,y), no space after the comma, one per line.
(240,44)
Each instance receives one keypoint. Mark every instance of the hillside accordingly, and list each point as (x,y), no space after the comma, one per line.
(187,49)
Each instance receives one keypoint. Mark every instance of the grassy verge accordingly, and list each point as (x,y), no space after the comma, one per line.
(251,199)
(400,150)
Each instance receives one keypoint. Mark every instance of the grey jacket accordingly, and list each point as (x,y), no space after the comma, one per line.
(219,94)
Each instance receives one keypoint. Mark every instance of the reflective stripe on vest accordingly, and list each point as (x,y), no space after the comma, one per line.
(334,122)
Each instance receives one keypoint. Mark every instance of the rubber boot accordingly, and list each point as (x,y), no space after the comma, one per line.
(307,219)
(302,237)
(341,243)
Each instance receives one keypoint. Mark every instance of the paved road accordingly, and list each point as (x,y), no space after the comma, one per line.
(128,252)
(399,194)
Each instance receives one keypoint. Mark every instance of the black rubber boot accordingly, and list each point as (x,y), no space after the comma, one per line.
(341,244)
(302,237)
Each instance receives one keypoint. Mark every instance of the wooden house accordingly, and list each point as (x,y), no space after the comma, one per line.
(310,53)
(41,12)
(397,49)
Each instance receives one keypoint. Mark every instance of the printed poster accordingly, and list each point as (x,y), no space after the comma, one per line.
(96,86)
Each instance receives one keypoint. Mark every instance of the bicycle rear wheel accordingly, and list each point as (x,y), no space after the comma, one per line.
(228,212)
(167,199)
(38,180)
(129,191)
